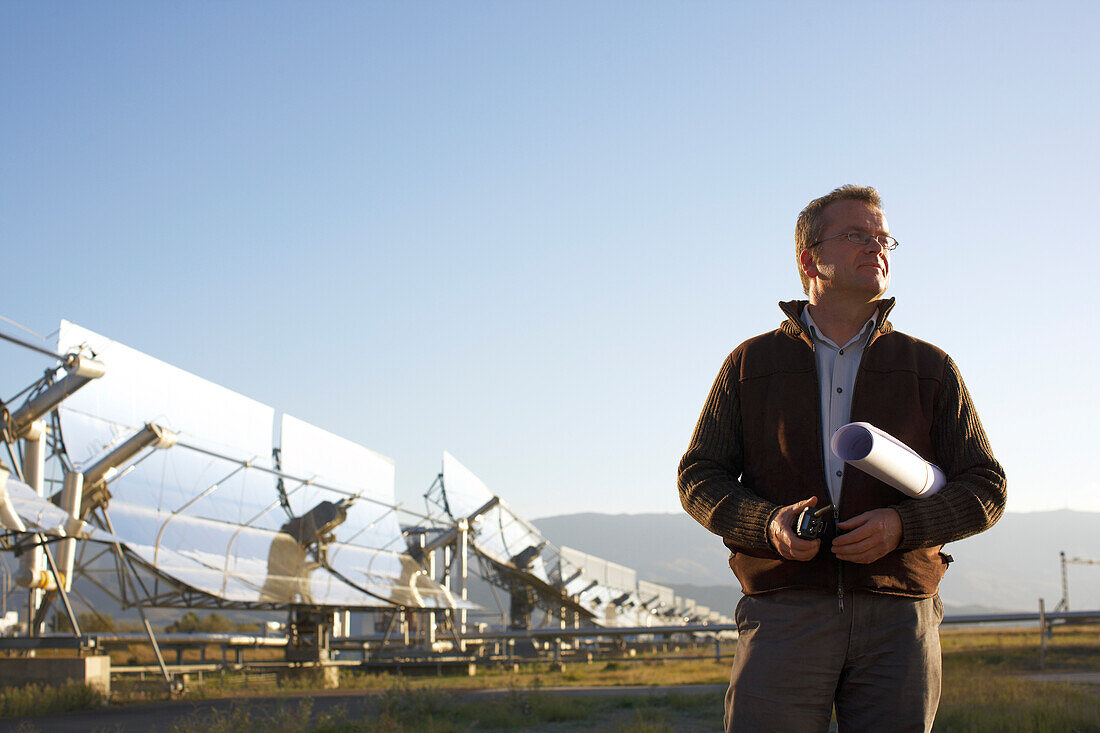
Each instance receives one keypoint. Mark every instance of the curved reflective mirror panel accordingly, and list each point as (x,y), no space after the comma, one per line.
(212,514)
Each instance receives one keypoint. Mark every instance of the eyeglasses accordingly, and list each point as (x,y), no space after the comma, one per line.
(883,240)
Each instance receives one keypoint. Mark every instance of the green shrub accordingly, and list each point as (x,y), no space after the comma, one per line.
(213,623)
(89,622)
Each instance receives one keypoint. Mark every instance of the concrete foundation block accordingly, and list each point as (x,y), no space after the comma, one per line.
(324,677)
(94,671)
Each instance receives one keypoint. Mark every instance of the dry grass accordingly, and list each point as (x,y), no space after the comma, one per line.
(998,702)
(1070,648)
(403,709)
(41,699)
(984,690)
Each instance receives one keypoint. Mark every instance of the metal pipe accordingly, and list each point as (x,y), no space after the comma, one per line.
(1064,604)
(463,548)
(441,540)
(81,370)
(33,347)
(151,435)
(71,493)
(156,649)
(483,508)
(34,456)
(9,518)
(431,614)
(32,563)
(1042,635)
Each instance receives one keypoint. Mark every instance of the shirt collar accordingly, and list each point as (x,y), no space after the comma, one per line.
(816,335)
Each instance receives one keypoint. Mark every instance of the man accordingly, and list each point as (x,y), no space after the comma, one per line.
(851,621)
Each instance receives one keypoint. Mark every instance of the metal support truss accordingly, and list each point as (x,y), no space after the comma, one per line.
(123,559)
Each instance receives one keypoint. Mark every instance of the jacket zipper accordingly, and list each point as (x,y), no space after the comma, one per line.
(839,566)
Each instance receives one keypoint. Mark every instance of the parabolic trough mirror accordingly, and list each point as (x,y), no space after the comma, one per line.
(220,510)
(561,581)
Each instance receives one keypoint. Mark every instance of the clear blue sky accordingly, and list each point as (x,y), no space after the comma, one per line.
(528,233)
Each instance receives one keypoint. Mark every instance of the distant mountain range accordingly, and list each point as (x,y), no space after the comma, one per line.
(1007,568)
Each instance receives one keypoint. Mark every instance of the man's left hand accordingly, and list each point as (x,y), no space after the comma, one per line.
(868,536)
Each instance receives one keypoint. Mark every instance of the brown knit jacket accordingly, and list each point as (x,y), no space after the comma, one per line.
(757,447)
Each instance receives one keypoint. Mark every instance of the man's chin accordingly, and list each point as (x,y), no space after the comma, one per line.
(876,287)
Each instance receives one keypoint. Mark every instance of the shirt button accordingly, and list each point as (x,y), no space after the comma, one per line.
(839,474)
(839,390)
(842,352)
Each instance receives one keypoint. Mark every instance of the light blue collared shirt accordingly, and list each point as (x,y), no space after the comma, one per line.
(836,373)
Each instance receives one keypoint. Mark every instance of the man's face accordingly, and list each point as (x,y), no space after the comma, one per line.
(843,266)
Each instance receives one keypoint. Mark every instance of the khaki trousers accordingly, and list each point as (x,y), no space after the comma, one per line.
(798,655)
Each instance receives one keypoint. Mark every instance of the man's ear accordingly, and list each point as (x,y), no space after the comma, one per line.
(807,263)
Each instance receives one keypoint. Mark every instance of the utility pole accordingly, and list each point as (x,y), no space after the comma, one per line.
(1063,605)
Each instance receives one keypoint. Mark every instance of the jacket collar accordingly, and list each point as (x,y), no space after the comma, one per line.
(793,325)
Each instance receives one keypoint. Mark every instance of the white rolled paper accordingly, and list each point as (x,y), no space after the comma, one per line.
(886,458)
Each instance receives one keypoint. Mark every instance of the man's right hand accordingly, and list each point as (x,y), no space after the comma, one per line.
(784,540)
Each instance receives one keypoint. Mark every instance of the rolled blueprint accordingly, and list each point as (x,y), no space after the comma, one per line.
(888,459)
